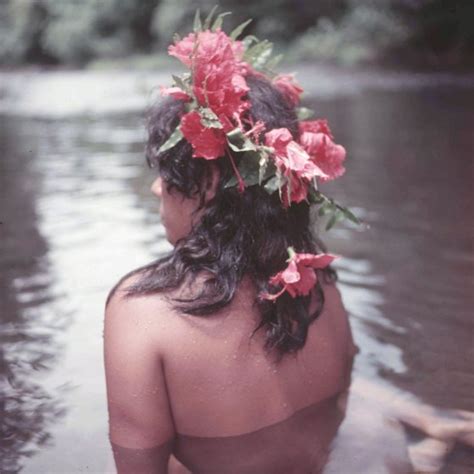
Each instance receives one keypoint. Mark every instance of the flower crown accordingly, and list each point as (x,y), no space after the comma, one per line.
(217,126)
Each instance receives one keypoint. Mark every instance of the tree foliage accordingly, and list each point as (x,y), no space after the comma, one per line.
(76,31)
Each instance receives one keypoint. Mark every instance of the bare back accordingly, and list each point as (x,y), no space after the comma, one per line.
(234,408)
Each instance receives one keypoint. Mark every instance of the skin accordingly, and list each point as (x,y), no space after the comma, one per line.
(174,204)
(155,393)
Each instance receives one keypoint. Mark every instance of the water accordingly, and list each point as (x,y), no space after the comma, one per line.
(76,214)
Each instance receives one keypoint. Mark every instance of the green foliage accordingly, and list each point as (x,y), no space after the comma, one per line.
(362,34)
(22,29)
(72,31)
(329,207)
(76,31)
(175,137)
(208,118)
(304,113)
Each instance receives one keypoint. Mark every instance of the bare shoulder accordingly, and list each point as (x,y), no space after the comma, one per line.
(144,317)
(119,290)
(338,314)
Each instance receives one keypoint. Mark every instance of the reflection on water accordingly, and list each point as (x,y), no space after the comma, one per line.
(412,168)
(77,214)
(32,311)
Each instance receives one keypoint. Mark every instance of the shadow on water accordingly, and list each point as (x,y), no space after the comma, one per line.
(30,315)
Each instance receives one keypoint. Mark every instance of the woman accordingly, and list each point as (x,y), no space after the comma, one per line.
(210,356)
(233,353)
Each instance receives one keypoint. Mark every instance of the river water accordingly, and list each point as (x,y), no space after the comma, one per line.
(76,214)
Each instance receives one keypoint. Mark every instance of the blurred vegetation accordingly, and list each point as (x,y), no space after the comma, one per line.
(78,32)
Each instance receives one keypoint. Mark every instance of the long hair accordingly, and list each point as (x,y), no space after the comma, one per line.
(240,233)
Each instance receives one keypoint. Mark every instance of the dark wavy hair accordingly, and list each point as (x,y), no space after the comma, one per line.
(239,233)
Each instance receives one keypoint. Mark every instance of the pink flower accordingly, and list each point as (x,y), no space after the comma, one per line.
(299,277)
(288,87)
(316,126)
(218,70)
(208,143)
(293,162)
(299,190)
(278,139)
(328,156)
(317,140)
(298,161)
(175,92)
(183,49)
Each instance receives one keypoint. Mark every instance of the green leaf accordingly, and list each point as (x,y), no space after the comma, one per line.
(207,21)
(304,113)
(337,216)
(209,119)
(248,40)
(232,182)
(291,253)
(197,25)
(218,22)
(315,196)
(288,190)
(181,83)
(238,31)
(267,168)
(349,215)
(239,142)
(175,137)
(188,106)
(272,184)
(331,222)
(262,170)
(258,54)
(251,179)
(273,62)
(248,169)
(323,210)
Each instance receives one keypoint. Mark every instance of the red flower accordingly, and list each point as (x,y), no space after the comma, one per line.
(208,143)
(299,277)
(317,140)
(278,139)
(293,162)
(175,92)
(183,49)
(316,126)
(287,85)
(218,71)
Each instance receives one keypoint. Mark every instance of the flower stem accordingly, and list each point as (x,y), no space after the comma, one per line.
(236,171)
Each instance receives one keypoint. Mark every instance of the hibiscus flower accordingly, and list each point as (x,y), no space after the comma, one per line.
(293,162)
(218,70)
(299,277)
(208,143)
(289,87)
(317,140)
(183,49)
(175,92)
